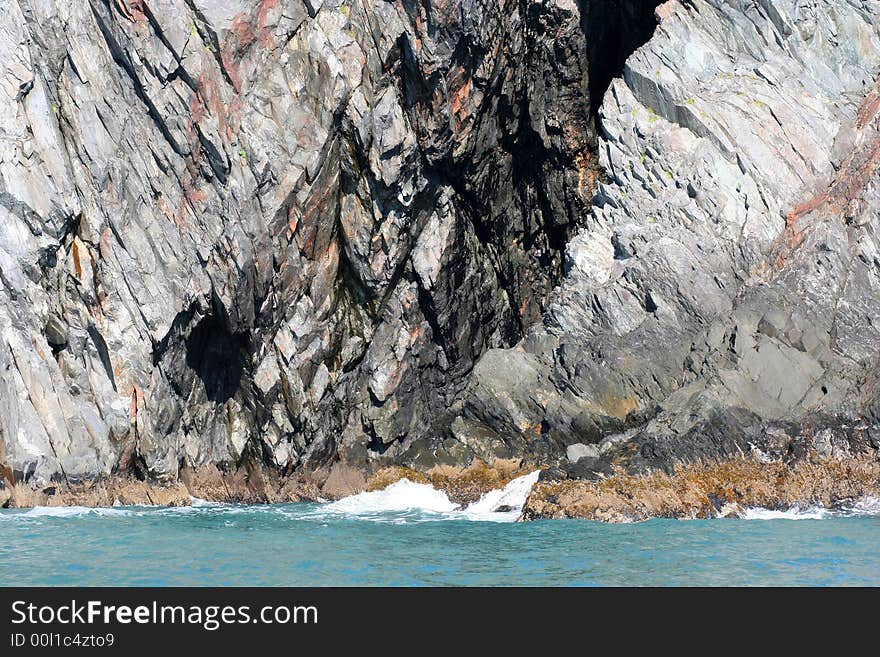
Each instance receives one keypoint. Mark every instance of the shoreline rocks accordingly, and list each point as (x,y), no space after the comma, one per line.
(718,489)
(117,491)
(258,485)
(708,490)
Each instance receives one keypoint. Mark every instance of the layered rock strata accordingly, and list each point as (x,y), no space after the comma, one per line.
(304,239)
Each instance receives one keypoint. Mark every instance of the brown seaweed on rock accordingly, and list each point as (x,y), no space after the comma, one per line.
(709,489)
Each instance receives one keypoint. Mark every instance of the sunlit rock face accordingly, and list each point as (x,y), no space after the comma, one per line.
(294,232)
(723,293)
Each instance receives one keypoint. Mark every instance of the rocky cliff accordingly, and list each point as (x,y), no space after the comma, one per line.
(289,234)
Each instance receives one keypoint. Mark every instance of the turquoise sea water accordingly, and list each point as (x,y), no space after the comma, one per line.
(311,544)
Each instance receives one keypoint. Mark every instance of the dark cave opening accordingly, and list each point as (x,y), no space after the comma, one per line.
(218,357)
(614,31)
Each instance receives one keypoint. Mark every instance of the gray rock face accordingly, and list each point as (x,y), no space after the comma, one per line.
(293,231)
(726,285)
(274,230)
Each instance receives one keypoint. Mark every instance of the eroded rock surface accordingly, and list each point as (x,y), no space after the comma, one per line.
(298,232)
(273,230)
(725,290)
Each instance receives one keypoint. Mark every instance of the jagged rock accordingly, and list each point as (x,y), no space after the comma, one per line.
(707,490)
(273,228)
(720,286)
(305,232)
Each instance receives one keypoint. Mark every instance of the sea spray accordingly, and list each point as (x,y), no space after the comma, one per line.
(403,495)
(72,511)
(501,505)
(795,513)
(402,502)
(867,506)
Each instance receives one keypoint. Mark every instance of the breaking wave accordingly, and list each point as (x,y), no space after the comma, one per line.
(406,502)
(867,506)
(402,495)
(504,504)
(809,513)
(405,496)
(401,502)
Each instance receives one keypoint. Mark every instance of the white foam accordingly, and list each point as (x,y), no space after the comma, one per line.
(402,495)
(117,510)
(72,511)
(407,496)
(870,505)
(198,506)
(867,506)
(513,496)
(419,502)
(795,513)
